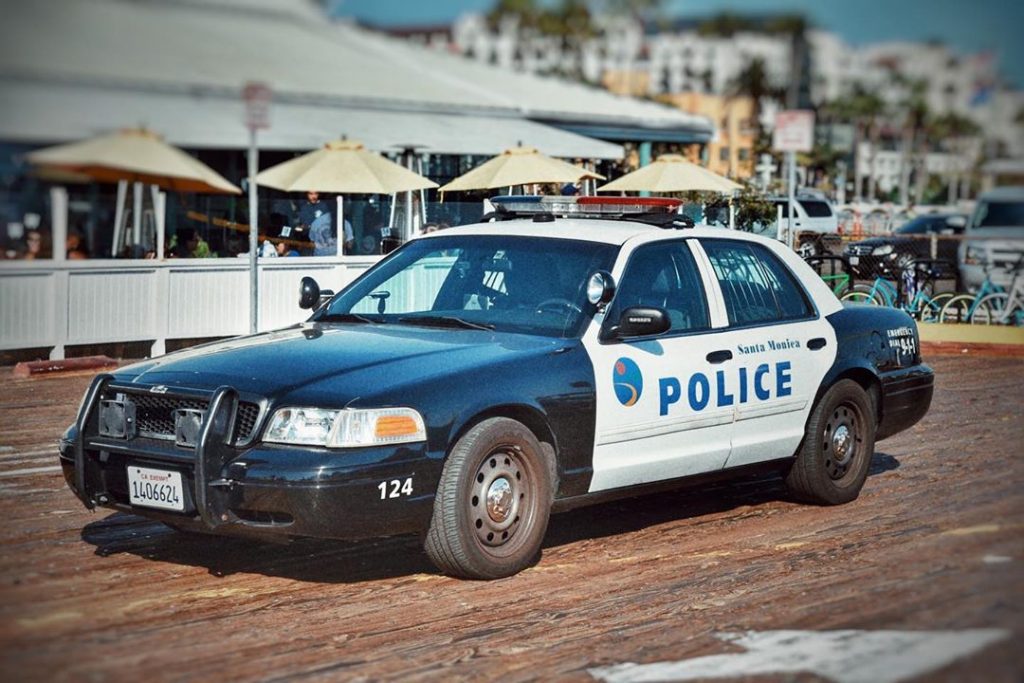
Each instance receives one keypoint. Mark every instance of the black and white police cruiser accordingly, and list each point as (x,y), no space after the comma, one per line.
(479,378)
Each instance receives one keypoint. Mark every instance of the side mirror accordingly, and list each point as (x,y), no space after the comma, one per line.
(642,322)
(600,288)
(310,294)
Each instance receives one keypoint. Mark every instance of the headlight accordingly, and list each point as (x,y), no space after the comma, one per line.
(345,428)
(974,255)
(882,250)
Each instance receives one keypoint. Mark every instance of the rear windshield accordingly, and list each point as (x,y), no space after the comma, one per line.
(999,215)
(816,209)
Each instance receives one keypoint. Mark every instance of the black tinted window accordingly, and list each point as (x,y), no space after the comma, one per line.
(663,275)
(816,209)
(999,214)
(756,286)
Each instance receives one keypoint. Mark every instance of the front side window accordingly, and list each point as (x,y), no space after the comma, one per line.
(507,283)
(756,286)
(663,275)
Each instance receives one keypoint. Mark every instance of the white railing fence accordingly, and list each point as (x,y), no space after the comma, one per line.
(57,304)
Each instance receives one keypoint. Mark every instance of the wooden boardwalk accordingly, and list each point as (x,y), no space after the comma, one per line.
(936,542)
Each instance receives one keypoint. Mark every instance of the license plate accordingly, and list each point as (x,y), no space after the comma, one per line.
(155,488)
(854,260)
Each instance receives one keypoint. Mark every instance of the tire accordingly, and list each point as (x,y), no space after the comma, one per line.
(955,310)
(809,247)
(493,502)
(822,473)
(991,310)
(861,294)
(932,309)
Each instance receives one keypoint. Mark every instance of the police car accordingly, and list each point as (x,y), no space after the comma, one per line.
(480,378)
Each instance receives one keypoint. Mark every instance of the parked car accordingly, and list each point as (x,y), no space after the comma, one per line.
(887,256)
(815,224)
(994,238)
(481,377)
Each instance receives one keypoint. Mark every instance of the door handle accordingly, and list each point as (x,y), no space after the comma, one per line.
(816,343)
(719,356)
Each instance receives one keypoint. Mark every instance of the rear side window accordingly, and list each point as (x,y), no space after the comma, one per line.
(756,286)
(816,209)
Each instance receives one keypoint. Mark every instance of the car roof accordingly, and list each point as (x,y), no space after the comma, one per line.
(586,229)
(1008,193)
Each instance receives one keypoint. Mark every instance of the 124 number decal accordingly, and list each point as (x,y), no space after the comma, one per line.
(395,488)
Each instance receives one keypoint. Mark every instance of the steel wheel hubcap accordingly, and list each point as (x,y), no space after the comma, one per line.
(499,498)
(840,443)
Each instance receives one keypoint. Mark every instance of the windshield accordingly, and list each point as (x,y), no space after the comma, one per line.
(918,226)
(999,215)
(507,283)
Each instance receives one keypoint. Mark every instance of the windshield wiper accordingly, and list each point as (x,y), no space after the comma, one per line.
(345,318)
(445,321)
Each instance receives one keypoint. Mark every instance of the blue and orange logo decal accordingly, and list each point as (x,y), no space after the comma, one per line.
(628,381)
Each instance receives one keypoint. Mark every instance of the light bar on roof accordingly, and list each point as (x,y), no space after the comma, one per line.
(584,206)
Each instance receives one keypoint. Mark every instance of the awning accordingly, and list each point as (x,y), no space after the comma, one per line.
(36,112)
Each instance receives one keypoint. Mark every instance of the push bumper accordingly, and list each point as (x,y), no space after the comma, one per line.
(906,397)
(263,490)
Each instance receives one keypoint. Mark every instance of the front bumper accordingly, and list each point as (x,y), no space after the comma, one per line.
(906,397)
(263,490)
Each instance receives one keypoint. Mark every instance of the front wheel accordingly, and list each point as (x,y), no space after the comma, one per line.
(993,309)
(833,460)
(493,502)
(931,308)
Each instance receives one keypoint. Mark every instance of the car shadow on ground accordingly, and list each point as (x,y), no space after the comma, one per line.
(326,561)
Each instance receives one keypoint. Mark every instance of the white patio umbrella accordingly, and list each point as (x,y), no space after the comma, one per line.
(671,173)
(519,166)
(134,155)
(343,167)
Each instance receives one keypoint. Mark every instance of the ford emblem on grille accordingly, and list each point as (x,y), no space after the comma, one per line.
(187,422)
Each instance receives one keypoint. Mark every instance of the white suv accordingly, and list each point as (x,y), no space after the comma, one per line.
(994,237)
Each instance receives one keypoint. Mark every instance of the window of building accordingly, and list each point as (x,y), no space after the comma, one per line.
(723,154)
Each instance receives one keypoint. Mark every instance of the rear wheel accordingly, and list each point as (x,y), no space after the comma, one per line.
(833,460)
(991,310)
(493,502)
(957,309)
(862,294)
(931,309)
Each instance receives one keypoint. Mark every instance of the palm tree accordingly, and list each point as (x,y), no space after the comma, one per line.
(863,109)
(955,132)
(913,145)
(753,82)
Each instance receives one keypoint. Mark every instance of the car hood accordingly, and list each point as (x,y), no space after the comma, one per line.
(333,363)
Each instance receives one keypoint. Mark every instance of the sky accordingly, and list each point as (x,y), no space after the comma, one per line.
(967,25)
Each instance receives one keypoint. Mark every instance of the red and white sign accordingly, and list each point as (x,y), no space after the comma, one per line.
(257,105)
(794,131)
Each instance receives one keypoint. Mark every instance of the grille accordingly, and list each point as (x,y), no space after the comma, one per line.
(154,415)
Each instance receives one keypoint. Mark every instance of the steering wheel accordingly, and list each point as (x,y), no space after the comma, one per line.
(558,301)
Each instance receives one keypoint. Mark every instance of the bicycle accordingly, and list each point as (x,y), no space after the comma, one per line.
(914,298)
(965,307)
(838,275)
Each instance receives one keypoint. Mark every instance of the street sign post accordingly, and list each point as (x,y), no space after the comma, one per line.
(257,117)
(794,132)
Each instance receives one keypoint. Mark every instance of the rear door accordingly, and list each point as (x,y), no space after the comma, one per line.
(779,348)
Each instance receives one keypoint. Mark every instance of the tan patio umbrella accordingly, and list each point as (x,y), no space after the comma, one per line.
(344,167)
(134,155)
(671,173)
(519,166)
